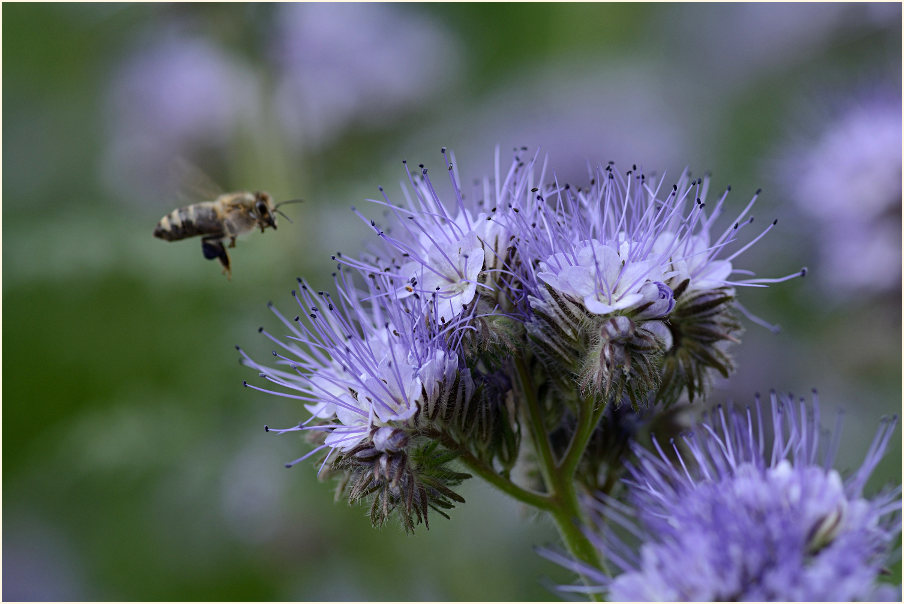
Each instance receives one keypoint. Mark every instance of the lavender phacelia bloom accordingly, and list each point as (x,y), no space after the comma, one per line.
(622,259)
(372,376)
(603,244)
(360,366)
(451,251)
(721,516)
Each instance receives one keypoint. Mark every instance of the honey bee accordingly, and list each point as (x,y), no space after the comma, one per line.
(230,215)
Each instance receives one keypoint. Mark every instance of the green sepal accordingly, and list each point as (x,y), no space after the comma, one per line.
(702,326)
(406,482)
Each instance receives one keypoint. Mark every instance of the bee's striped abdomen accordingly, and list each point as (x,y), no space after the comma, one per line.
(196,219)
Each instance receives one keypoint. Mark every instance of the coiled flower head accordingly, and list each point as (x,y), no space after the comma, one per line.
(370,372)
(449,252)
(624,248)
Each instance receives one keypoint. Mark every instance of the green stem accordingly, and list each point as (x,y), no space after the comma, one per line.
(565,508)
(581,437)
(475,464)
(535,420)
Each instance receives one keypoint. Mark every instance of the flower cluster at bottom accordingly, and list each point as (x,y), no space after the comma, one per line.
(720,515)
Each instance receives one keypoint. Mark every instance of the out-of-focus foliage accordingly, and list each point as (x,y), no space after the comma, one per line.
(135,466)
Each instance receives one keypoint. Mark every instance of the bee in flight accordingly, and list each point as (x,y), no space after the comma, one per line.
(230,215)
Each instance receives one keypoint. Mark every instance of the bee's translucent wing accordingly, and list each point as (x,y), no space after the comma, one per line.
(190,183)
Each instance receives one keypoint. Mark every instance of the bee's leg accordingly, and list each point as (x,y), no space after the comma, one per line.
(232,242)
(213,248)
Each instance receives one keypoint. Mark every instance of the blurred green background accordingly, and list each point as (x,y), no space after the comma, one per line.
(136,467)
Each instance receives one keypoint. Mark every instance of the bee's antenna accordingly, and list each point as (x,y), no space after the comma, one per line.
(282,203)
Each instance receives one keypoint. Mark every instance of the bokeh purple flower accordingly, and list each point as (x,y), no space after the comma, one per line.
(338,64)
(847,180)
(176,97)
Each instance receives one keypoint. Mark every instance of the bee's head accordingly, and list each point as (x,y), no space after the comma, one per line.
(263,208)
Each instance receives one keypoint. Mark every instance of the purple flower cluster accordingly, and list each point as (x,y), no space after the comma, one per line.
(617,292)
(363,364)
(721,515)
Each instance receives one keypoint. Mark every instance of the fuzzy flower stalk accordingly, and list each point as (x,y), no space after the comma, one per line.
(721,513)
(520,328)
